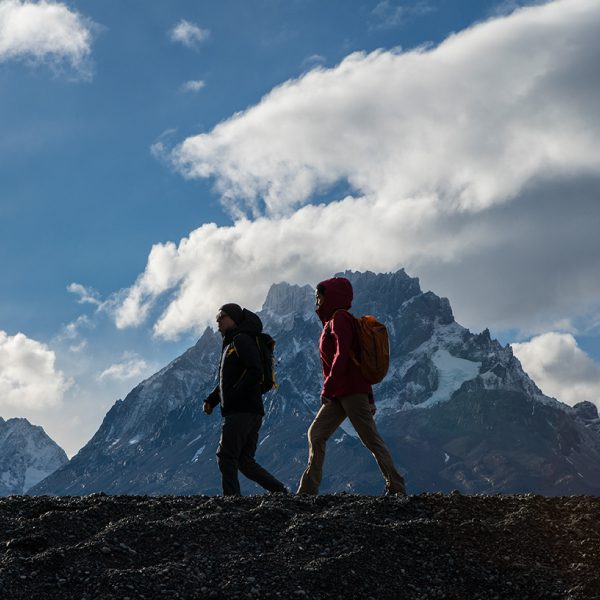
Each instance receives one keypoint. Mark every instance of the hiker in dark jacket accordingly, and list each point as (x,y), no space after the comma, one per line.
(345,391)
(239,394)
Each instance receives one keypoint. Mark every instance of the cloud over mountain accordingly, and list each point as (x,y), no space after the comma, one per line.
(437,145)
(560,367)
(28,375)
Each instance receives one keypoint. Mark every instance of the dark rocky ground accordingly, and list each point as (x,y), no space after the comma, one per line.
(342,546)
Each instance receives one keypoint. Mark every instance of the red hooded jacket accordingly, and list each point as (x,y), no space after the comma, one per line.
(341,376)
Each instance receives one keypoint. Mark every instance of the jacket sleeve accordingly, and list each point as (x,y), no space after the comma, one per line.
(342,330)
(214,397)
(249,355)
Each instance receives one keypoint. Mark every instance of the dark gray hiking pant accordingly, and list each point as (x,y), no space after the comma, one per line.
(237,446)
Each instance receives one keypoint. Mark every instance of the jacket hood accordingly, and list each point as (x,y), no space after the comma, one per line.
(250,323)
(338,294)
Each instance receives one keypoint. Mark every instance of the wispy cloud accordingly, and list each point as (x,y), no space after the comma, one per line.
(188,34)
(71,333)
(314,60)
(28,375)
(193,85)
(389,14)
(86,295)
(560,367)
(48,32)
(459,167)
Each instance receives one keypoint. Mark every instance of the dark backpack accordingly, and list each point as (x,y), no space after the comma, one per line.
(266,346)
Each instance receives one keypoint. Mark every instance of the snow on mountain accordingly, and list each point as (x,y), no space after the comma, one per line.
(485,426)
(452,373)
(27,455)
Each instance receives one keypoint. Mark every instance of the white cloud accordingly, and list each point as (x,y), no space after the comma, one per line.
(44,31)
(460,158)
(470,121)
(132,367)
(28,376)
(195,85)
(87,295)
(188,34)
(560,368)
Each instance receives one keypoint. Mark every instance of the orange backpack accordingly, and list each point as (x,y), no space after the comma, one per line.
(374,346)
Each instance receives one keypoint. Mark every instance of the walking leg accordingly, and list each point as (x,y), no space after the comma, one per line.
(248,465)
(328,419)
(233,435)
(359,412)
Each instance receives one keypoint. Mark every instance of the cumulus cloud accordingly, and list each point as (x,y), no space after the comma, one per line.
(132,367)
(45,31)
(560,368)
(467,164)
(195,85)
(470,121)
(28,376)
(188,34)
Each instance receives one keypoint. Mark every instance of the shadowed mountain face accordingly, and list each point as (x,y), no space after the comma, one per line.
(456,409)
(27,455)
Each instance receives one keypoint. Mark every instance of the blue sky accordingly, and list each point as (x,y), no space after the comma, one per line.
(138,124)
(83,199)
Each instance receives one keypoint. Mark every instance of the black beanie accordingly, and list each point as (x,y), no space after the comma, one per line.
(234,311)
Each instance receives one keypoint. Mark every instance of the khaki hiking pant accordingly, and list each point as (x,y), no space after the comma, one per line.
(330,416)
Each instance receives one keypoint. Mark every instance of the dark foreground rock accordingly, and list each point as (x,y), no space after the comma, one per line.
(339,546)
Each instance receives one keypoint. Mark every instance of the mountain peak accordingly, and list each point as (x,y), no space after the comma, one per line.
(285,298)
(381,292)
(27,455)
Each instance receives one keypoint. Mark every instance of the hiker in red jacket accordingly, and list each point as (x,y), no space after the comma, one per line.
(345,391)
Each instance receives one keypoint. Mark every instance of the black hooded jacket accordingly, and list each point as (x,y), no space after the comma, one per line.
(240,371)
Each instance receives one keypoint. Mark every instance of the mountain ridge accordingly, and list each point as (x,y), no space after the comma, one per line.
(433,404)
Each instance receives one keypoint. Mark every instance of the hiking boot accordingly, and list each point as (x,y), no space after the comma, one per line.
(389,491)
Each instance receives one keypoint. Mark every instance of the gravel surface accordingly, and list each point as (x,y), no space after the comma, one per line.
(337,546)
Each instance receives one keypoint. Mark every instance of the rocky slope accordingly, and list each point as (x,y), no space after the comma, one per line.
(424,547)
(457,410)
(27,455)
